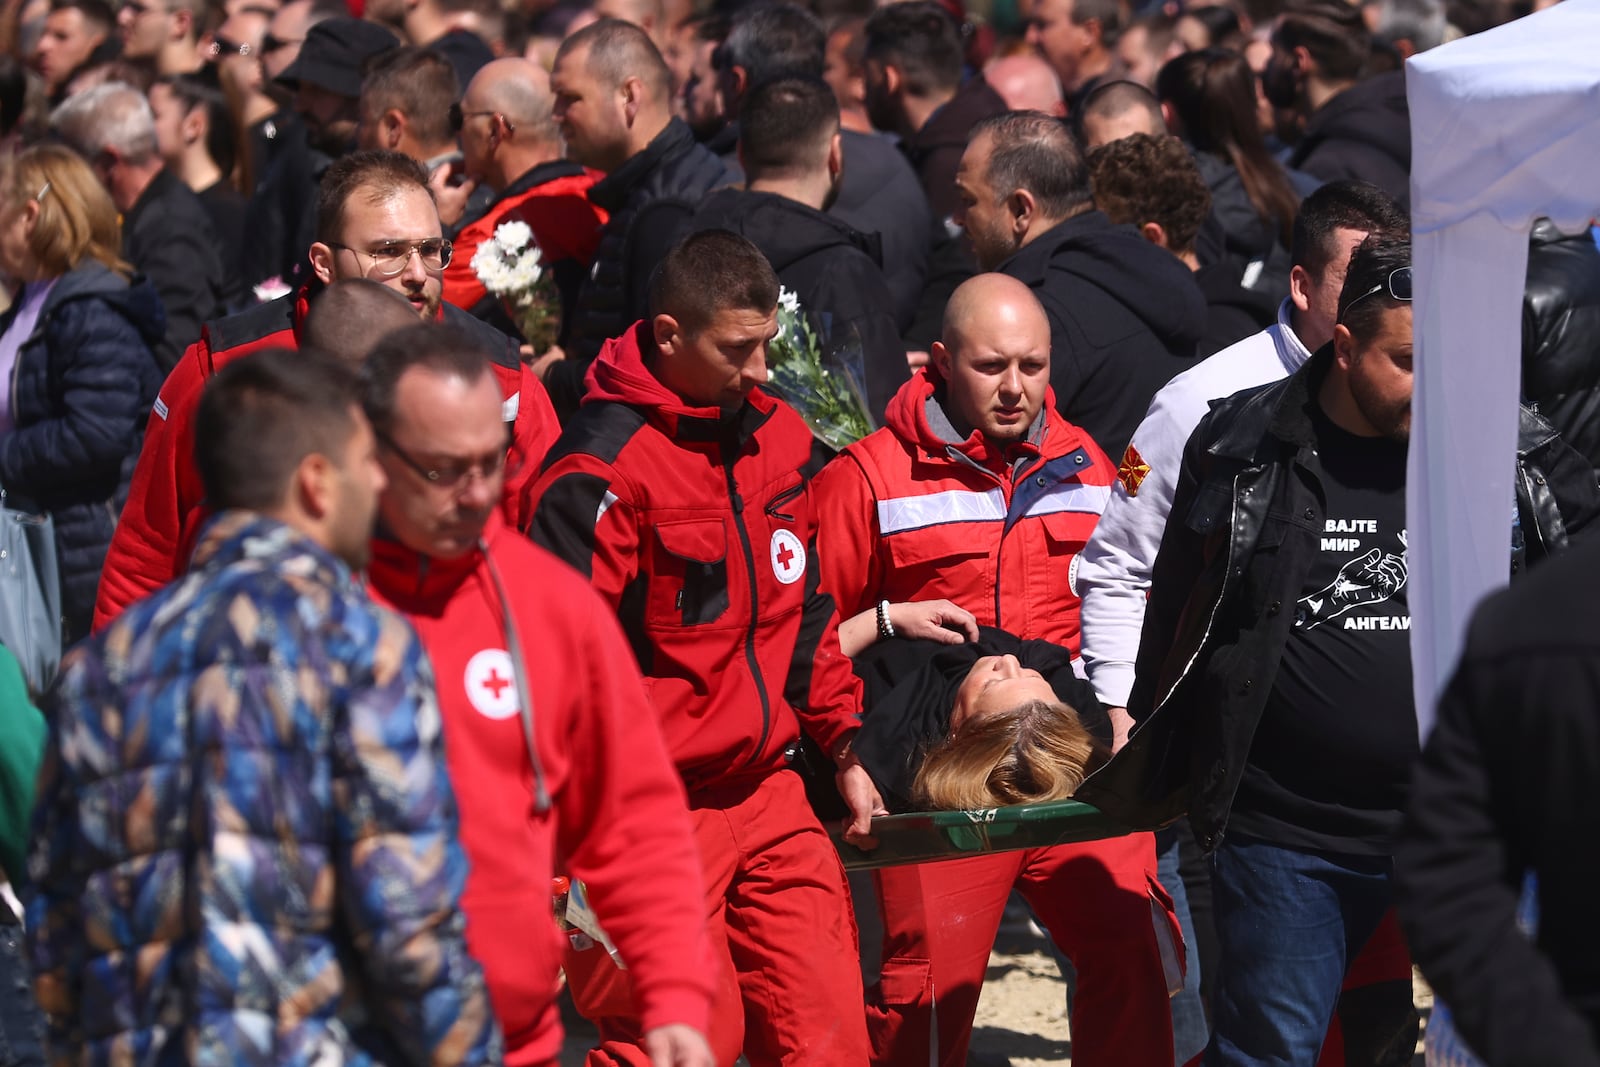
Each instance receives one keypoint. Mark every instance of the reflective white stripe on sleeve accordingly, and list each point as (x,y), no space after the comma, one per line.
(938,509)
(605,506)
(161,408)
(1072,496)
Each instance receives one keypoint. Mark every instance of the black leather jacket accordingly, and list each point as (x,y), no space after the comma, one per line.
(1242,535)
(1561,335)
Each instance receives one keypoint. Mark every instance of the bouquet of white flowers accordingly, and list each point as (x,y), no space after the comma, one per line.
(510,267)
(819,375)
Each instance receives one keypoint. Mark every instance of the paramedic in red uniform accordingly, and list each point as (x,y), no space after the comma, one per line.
(979,493)
(376,220)
(679,488)
(522,647)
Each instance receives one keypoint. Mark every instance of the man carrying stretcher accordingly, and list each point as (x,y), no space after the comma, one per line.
(977,498)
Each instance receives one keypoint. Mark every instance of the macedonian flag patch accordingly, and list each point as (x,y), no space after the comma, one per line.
(1132,471)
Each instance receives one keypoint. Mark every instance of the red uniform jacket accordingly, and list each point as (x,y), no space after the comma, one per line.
(905,515)
(618,818)
(553,199)
(166,502)
(694,527)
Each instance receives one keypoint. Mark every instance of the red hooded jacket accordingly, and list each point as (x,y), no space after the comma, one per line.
(618,819)
(694,526)
(166,502)
(904,514)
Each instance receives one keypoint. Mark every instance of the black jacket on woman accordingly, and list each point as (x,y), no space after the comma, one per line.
(81,389)
(909,690)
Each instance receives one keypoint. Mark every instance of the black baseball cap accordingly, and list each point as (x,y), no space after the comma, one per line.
(334,54)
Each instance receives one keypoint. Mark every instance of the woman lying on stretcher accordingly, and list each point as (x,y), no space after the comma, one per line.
(990,721)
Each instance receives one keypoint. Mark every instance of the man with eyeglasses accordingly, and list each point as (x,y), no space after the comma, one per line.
(376,220)
(1272,695)
(162,34)
(510,146)
(550,748)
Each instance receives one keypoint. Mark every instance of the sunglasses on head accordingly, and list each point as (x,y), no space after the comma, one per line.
(1397,285)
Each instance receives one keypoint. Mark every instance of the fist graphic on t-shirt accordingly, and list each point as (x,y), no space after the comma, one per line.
(1368,579)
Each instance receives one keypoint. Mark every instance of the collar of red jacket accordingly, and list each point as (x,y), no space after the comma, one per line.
(619,375)
(415,582)
(907,418)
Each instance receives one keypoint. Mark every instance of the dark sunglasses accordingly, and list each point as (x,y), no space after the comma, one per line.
(458,118)
(1397,284)
(270,43)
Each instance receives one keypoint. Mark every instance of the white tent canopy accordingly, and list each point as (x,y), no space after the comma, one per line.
(1505,127)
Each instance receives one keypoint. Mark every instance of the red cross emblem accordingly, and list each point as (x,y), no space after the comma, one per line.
(490,682)
(788,557)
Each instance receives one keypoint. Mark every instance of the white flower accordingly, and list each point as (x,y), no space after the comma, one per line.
(788,301)
(513,236)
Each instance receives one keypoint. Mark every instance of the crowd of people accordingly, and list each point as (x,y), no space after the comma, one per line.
(422,656)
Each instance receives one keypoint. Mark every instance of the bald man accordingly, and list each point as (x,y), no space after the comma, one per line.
(977,493)
(1027,83)
(510,143)
(1117,110)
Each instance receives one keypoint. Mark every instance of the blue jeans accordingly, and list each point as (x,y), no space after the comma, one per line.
(1189,1029)
(1288,923)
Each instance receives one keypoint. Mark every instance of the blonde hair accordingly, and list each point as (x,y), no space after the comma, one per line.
(77,220)
(1029,754)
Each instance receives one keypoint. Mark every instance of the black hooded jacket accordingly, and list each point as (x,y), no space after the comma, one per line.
(1365,133)
(909,688)
(1125,317)
(830,267)
(878,195)
(1561,335)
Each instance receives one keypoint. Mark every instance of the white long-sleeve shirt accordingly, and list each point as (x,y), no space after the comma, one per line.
(1113,574)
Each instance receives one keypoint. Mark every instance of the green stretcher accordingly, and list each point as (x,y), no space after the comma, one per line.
(925,836)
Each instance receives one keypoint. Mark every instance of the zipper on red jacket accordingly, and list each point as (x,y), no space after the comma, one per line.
(737,503)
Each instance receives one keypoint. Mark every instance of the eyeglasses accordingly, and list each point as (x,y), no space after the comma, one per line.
(221,47)
(391,259)
(270,44)
(458,118)
(1397,284)
(449,475)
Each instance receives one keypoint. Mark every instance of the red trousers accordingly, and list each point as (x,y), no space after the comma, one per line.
(783,939)
(1100,902)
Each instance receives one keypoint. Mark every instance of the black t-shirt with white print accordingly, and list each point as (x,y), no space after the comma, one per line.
(1330,762)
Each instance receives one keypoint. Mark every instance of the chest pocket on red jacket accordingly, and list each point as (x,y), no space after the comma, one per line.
(689,585)
(1066,532)
(941,546)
